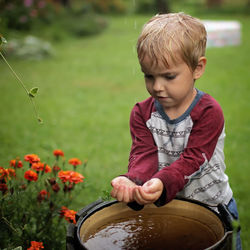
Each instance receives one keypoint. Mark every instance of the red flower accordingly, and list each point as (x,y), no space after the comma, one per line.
(47,169)
(4,174)
(75,161)
(64,176)
(58,152)
(76,177)
(11,172)
(56,169)
(42,195)
(39,166)
(69,215)
(62,211)
(30,175)
(55,187)
(68,188)
(3,188)
(70,176)
(16,164)
(31,158)
(52,181)
(35,245)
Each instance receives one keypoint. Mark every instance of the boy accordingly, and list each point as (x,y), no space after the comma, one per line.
(178,132)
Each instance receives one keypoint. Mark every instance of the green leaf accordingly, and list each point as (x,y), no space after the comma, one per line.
(33,92)
(3,40)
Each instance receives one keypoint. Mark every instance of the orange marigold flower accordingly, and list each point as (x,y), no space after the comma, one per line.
(30,175)
(74,161)
(35,245)
(69,215)
(3,188)
(31,158)
(62,211)
(58,152)
(39,166)
(16,164)
(11,172)
(47,169)
(4,174)
(76,177)
(70,176)
(64,175)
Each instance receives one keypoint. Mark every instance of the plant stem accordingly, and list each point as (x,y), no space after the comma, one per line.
(9,224)
(23,86)
(14,73)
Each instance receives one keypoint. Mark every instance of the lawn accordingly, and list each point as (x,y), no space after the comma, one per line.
(86,92)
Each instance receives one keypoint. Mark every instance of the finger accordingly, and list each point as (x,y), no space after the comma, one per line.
(126,196)
(138,198)
(120,192)
(113,192)
(114,183)
(149,197)
(131,193)
(144,195)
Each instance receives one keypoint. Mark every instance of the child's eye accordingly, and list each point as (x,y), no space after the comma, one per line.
(170,77)
(148,76)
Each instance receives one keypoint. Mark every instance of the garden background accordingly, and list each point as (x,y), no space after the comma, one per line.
(89,79)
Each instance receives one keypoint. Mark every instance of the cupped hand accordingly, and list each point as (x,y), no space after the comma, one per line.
(149,192)
(123,189)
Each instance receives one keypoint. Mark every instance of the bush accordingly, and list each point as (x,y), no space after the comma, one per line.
(145,7)
(21,14)
(80,23)
(34,200)
(108,6)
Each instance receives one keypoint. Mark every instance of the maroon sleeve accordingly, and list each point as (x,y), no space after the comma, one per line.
(143,160)
(208,123)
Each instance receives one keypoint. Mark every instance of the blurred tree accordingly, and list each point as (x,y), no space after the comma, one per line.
(162,6)
(65,3)
(248,4)
(214,3)
(152,7)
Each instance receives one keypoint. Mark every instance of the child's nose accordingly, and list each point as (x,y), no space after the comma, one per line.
(158,85)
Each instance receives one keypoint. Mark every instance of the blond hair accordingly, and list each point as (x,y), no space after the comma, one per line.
(170,37)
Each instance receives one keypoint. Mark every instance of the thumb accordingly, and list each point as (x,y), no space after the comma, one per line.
(153,185)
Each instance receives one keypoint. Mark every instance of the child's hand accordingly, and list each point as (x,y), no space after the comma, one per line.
(122,189)
(149,192)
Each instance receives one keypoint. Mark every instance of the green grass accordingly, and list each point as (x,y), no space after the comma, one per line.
(87,91)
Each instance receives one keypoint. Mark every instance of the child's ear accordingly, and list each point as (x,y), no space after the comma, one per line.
(200,68)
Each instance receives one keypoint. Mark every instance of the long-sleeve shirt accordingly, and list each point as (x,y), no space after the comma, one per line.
(186,153)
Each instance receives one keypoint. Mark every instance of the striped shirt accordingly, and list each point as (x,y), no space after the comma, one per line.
(186,153)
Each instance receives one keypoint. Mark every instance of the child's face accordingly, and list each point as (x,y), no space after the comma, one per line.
(173,87)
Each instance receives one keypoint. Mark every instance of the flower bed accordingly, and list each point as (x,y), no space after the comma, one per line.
(34,200)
